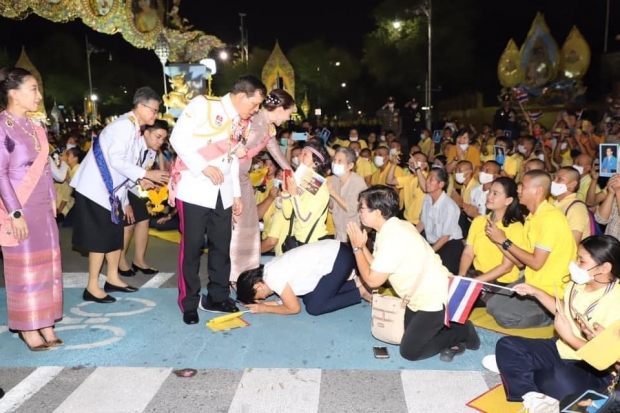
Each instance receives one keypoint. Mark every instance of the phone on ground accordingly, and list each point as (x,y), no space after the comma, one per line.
(381,352)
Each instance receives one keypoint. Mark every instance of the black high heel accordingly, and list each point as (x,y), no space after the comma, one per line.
(126,273)
(146,271)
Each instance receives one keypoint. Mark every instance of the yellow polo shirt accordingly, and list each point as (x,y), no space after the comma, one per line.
(584,185)
(472,155)
(466,192)
(364,167)
(487,254)
(426,145)
(512,164)
(379,177)
(606,312)
(278,228)
(578,215)
(548,230)
(412,196)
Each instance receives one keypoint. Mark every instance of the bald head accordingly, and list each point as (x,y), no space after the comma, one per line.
(464,166)
(538,179)
(534,165)
(583,163)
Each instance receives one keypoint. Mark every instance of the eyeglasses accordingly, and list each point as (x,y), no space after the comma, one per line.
(361,207)
(155,111)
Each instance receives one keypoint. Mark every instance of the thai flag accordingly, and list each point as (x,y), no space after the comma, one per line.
(579,113)
(535,115)
(462,294)
(521,95)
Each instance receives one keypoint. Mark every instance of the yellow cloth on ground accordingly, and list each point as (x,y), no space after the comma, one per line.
(171,236)
(494,401)
(482,319)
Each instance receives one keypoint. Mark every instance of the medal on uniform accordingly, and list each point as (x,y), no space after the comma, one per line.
(9,123)
(219,120)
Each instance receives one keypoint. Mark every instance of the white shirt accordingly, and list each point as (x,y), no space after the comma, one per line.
(120,142)
(59,172)
(205,121)
(146,159)
(479,199)
(301,268)
(441,218)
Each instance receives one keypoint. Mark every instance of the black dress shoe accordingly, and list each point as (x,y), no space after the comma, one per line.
(227,306)
(109,288)
(190,317)
(126,273)
(1,393)
(87,296)
(146,271)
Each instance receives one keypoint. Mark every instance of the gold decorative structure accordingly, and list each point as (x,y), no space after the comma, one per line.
(509,69)
(278,72)
(305,105)
(138,25)
(575,55)
(25,62)
(180,95)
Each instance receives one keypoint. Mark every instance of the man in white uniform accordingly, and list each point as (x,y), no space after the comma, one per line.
(205,188)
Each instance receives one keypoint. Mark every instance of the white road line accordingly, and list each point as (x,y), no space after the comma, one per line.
(459,388)
(158,280)
(278,390)
(115,389)
(27,388)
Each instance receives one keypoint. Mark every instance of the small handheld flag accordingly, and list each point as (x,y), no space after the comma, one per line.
(462,294)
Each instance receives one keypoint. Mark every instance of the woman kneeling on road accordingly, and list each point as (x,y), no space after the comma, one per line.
(319,272)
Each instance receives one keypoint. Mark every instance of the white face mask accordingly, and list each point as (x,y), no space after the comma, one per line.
(255,167)
(564,145)
(579,169)
(277,183)
(485,178)
(521,149)
(459,177)
(393,152)
(382,138)
(379,161)
(71,146)
(558,189)
(578,275)
(422,136)
(464,146)
(357,154)
(353,138)
(337,169)
(295,161)
(541,156)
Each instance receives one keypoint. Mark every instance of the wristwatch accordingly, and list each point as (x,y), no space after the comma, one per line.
(356,249)
(16,214)
(506,244)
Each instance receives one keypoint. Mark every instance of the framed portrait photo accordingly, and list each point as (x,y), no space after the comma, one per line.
(500,155)
(608,159)
(101,8)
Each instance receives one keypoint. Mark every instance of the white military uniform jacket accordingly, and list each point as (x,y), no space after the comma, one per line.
(121,144)
(146,160)
(203,122)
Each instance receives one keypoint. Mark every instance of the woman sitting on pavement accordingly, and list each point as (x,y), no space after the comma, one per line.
(319,272)
(552,366)
(401,256)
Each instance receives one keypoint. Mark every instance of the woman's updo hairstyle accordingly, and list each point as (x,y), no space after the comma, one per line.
(11,78)
(278,98)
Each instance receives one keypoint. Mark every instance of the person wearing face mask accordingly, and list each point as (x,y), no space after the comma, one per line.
(463,151)
(344,187)
(364,166)
(488,173)
(563,188)
(548,248)
(512,161)
(275,225)
(526,147)
(583,165)
(562,151)
(382,162)
(389,117)
(426,142)
(552,366)
(353,138)
(411,186)
(464,178)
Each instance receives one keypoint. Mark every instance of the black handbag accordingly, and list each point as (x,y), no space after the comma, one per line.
(290,242)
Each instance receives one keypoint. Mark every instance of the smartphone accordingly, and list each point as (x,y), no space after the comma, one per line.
(287,174)
(381,352)
(300,136)
(586,323)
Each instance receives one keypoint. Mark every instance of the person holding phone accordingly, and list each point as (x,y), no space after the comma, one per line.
(591,298)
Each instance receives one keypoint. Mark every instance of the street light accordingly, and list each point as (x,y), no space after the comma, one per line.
(396,25)
(90,49)
(343,84)
(94,98)
(426,10)
(337,63)
(223,55)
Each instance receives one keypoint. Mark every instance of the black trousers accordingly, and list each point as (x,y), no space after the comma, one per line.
(194,221)
(426,335)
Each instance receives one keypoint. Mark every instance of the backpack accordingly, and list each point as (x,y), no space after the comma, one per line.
(595,228)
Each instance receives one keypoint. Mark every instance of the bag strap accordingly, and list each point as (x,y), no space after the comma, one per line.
(315,223)
(576,201)
(290,223)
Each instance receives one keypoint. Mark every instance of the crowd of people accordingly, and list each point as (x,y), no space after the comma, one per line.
(392,209)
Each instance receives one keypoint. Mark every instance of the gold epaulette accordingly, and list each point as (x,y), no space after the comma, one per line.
(213,98)
(132,119)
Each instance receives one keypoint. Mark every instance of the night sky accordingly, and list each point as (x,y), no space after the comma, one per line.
(346,25)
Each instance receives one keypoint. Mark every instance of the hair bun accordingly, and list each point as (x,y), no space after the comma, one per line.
(273,100)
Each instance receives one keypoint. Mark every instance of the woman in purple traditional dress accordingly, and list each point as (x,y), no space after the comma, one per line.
(245,244)
(28,230)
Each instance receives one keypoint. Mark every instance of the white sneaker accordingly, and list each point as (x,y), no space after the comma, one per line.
(490,363)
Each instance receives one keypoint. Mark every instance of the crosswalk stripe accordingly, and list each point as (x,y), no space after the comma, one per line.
(158,280)
(441,391)
(115,389)
(278,390)
(27,387)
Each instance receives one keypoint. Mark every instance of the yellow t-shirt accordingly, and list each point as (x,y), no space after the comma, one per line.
(268,219)
(278,229)
(584,185)
(308,210)
(548,230)
(345,143)
(412,196)
(426,145)
(487,254)
(393,255)
(261,196)
(512,164)
(379,177)
(364,167)
(466,192)
(578,215)
(472,155)
(329,223)
(606,312)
